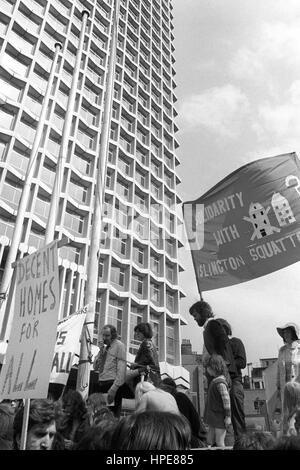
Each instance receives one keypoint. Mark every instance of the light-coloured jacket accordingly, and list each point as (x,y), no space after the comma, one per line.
(288,369)
(114,366)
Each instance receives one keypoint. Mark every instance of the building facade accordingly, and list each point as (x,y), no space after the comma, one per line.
(192,361)
(138,277)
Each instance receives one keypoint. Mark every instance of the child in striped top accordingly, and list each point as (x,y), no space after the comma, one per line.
(217,410)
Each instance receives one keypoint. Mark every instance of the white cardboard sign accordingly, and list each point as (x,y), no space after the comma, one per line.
(29,355)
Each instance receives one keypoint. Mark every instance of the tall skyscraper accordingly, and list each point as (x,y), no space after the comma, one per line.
(138,278)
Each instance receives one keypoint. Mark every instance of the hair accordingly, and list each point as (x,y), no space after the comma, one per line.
(169,385)
(75,400)
(95,401)
(98,437)
(58,442)
(297,421)
(293,333)
(6,423)
(145,329)
(202,308)
(287,443)
(254,440)
(218,365)
(99,411)
(226,326)
(42,411)
(291,398)
(152,430)
(102,415)
(113,331)
(140,389)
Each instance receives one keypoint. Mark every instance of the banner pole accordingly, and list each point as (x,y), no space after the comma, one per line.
(25,424)
(84,365)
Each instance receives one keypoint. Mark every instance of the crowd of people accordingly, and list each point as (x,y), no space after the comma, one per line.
(164,418)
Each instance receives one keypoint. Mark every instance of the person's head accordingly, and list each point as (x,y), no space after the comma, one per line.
(226,326)
(152,430)
(277,414)
(95,401)
(140,389)
(168,385)
(143,330)
(6,427)
(287,443)
(297,421)
(41,425)
(10,404)
(254,440)
(97,408)
(201,311)
(289,332)
(109,334)
(216,366)
(102,415)
(291,397)
(98,437)
(73,404)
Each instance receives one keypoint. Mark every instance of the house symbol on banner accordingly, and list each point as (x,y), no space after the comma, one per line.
(282,209)
(258,217)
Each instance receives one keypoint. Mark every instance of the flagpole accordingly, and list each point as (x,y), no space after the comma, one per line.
(83,375)
(17,233)
(62,156)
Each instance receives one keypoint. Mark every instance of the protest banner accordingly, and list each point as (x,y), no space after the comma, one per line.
(29,354)
(67,346)
(248,225)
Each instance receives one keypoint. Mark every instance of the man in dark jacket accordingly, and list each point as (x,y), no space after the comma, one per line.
(215,339)
(236,390)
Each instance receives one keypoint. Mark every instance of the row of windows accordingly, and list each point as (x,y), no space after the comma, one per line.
(77,224)
(156,263)
(82,194)
(125,191)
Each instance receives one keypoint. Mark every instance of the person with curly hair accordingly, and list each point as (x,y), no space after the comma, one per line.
(75,419)
(41,429)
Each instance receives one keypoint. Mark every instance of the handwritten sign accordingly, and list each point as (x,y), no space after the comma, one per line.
(67,346)
(29,355)
(248,225)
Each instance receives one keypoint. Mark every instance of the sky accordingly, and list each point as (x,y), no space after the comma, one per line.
(238,90)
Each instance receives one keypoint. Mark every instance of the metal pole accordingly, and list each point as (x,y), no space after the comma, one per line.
(83,376)
(50,229)
(26,412)
(12,254)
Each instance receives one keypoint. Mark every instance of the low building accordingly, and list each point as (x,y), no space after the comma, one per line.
(192,362)
(255,403)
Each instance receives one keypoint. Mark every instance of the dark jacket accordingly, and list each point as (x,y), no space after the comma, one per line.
(216,341)
(187,408)
(239,354)
(147,356)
